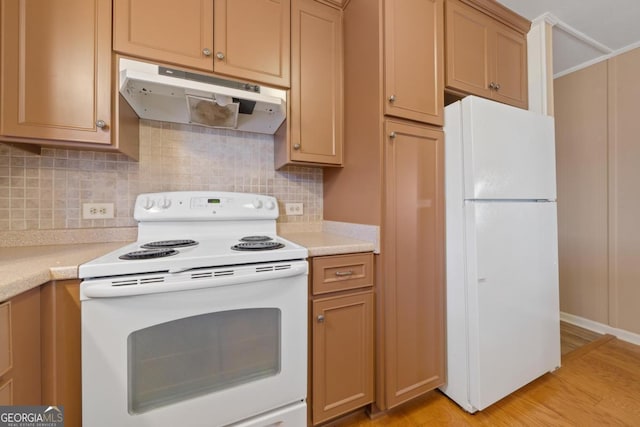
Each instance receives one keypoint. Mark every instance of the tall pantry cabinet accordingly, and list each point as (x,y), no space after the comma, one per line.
(393,178)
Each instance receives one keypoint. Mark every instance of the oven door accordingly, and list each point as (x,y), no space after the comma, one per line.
(209,356)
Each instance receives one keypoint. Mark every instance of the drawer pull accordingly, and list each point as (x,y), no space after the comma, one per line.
(344,273)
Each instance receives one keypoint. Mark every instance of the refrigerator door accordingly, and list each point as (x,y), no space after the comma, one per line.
(512,291)
(509,153)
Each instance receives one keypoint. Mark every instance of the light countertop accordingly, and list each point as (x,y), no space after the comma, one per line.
(25,267)
(321,243)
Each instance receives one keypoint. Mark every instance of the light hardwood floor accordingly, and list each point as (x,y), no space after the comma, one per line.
(597,385)
(574,337)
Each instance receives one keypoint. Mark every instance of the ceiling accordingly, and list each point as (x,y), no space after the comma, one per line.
(584,31)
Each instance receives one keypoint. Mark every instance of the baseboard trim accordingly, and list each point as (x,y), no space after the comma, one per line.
(601,328)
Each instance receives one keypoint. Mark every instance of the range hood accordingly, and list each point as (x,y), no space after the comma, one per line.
(171,95)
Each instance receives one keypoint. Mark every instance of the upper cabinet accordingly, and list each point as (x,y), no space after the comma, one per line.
(56,78)
(313,133)
(246,39)
(167,30)
(252,39)
(413,60)
(486,51)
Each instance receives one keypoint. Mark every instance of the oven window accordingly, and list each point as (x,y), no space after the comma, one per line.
(190,357)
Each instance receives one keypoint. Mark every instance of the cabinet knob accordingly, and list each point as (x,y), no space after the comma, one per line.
(492,85)
(206,51)
(392,98)
(296,146)
(101,124)
(392,135)
(220,55)
(320,318)
(497,87)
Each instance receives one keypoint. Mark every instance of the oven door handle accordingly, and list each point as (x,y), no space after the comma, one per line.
(190,280)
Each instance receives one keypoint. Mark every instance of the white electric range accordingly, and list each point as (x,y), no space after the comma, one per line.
(201,322)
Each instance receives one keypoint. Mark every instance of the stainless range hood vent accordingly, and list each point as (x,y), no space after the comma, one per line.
(171,95)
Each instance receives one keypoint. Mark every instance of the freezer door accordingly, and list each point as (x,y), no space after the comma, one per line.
(509,153)
(512,288)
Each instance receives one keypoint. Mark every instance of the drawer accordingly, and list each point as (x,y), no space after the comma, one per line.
(341,272)
(5,338)
(6,393)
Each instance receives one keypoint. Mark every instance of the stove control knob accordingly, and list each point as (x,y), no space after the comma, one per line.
(148,203)
(165,204)
(270,205)
(257,203)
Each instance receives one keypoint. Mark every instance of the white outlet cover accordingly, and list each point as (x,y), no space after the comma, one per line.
(294,208)
(97,211)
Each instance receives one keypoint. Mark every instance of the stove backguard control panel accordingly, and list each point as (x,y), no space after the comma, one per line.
(204,205)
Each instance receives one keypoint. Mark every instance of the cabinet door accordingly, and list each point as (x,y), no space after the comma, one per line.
(316,112)
(55,78)
(6,350)
(22,382)
(176,32)
(61,359)
(6,392)
(342,334)
(414,60)
(252,40)
(413,261)
(510,66)
(467,49)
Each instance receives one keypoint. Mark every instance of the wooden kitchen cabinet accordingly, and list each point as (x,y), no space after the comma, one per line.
(165,30)
(245,39)
(56,78)
(414,262)
(395,183)
(252,40)
(313,132)
(342,334)
(61,358)
(413,77)
(20,350)
(335,3)
(486,51)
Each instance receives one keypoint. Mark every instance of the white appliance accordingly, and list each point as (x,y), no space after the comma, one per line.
(503,314)
(201,322)
(171,95)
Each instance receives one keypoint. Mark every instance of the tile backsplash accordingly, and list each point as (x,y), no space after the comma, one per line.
(47,191)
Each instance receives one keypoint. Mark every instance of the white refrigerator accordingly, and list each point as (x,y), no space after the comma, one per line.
(503,314)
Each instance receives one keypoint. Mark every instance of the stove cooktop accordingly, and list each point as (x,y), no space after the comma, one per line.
(137,258)
(183,230)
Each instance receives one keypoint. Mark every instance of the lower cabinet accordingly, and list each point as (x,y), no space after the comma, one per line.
(20,349)
(341,328)
(61,360)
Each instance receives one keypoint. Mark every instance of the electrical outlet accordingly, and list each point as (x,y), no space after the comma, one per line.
(293,208)
(97,210)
